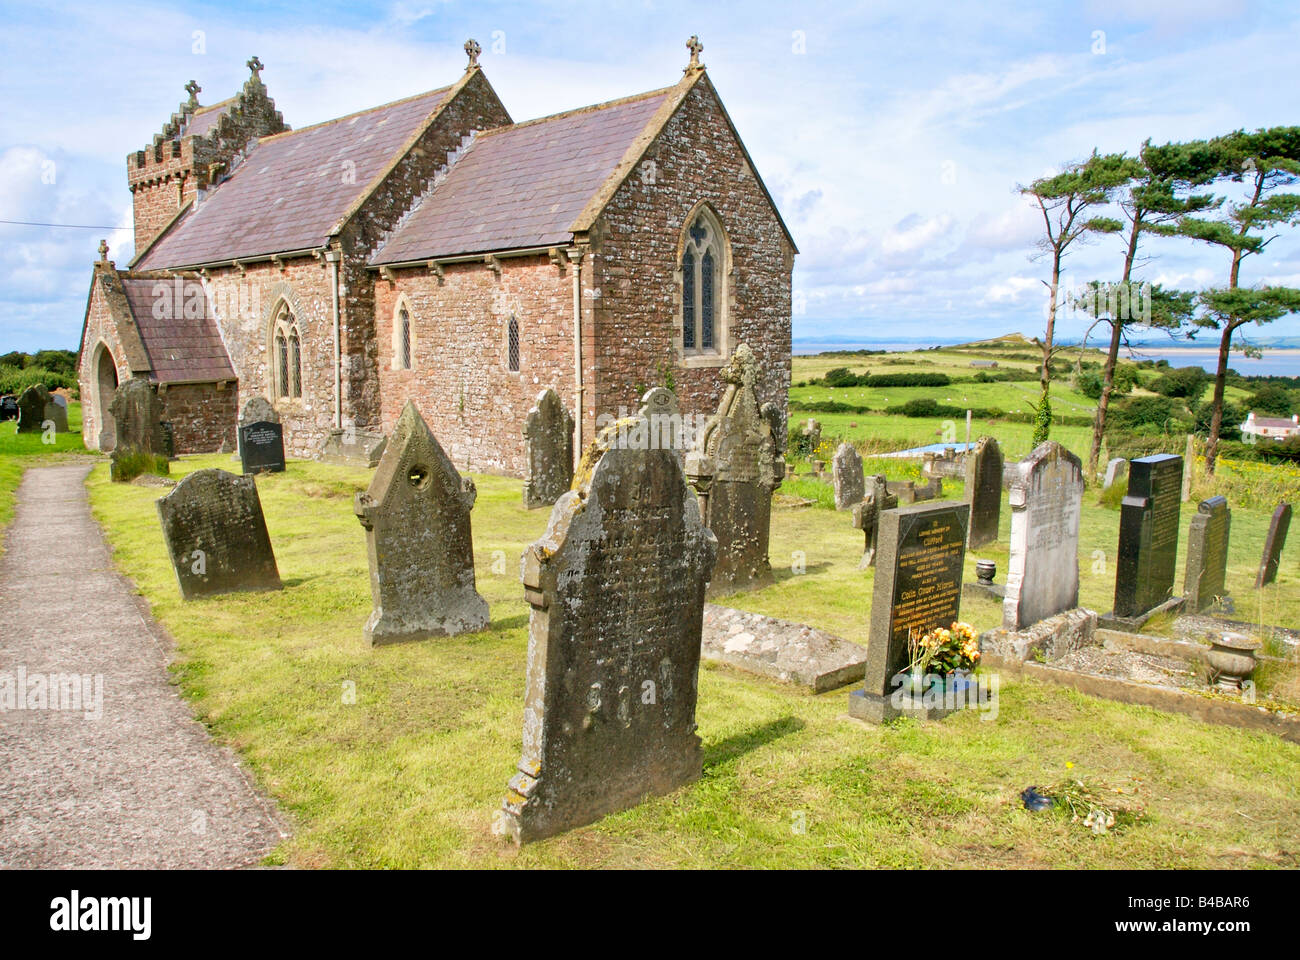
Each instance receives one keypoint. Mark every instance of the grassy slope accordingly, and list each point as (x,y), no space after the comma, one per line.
(412,773)
(19,451)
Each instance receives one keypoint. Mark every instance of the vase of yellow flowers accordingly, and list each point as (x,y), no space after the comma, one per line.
(944,656)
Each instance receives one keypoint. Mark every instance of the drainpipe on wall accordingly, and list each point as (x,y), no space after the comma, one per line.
(332,257)
(575,255)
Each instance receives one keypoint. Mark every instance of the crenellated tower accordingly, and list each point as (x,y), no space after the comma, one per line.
(194,149)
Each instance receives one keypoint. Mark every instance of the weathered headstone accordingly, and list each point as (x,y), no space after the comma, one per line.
(846,474)
(353,447)
(616,586)
(1116,472)
(33,405)
(137,414)
(666,428)
(1148,538)
(1189,467)
(56,412)
(811,431)
(1207,555)
(1043,571)
(932,489)
(1273,544)
(548,438)
(984,490)
(216,535)
(917,588)
(734,467)
(417,519)
(866,516)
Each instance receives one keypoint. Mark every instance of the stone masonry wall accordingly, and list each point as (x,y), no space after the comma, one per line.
(474,107)
(100,328)
(203,416)
(459,378)
(635,288)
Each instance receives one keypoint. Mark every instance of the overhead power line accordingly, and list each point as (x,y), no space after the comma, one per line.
(66,226)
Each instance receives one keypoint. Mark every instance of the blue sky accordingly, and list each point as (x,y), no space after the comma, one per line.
(892,135)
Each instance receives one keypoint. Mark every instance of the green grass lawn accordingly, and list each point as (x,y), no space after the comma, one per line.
(412,773)
(20,450)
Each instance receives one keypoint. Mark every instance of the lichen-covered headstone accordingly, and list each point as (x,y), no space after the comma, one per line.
(1205,573)
(137,413)
(216,535)
(33,407)
(866,515)
(984,490)
(353,447)
(416,515)
(1046,503)
(616,585)
(735,466)
(846,475)
(548,437)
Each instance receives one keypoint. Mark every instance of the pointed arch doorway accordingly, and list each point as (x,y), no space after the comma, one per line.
(105,387)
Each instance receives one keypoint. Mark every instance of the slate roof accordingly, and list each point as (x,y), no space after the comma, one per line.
(205,119)
(1275,423)
(291,188)
(180,349)
(522,185)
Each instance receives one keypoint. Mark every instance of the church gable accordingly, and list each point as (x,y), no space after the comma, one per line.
(292,189)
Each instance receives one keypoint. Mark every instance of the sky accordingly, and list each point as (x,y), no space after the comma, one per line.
(891,135)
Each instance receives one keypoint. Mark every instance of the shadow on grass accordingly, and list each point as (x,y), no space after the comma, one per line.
(740,744)
(781,574)
(508,623)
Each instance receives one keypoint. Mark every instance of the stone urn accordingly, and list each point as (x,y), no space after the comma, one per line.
(985,571)
(1232,658)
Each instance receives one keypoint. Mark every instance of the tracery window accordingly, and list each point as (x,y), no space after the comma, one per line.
(703,257)
(287,344)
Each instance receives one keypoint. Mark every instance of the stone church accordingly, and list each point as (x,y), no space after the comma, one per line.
(433,249)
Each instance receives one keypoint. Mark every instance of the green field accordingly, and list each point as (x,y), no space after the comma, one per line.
(412,773)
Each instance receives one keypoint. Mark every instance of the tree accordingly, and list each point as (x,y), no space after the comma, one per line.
(1187,382)
(1272,399)
(1067,201)
(1262,161)
(1152,200)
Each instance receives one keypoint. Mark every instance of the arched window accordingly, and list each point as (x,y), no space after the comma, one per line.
(512,345)
(703,274)
(403,352)
(287,345)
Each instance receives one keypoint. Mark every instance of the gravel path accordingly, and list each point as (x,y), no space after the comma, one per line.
(142,785)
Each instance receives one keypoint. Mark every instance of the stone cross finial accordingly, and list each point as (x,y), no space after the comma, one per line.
(472,50)
(193,89)
(256,66)
(696,48)
(103,249)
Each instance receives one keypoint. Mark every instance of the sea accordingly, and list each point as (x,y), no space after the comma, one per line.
(1279,362)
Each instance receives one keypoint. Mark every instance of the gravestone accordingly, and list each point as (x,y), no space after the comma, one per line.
(33,406)
(353,447)
(257,410)
(1116,472)
(866,516)
(1207,555)
(1273,544)
(932,489)
(1043,571)
(56,411)
(1189,467)
(616,585)
(216,535)
(984,490)
(1148,540)
(261,447)
(734,467)
(917,588)
(417,519)
(811,431)
(137,414)
(846,474)
(904,490)
(667,430)
(548,437)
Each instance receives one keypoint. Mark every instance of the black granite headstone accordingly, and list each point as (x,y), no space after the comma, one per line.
(261,447)
(920,552)
(1273,544)
(1148,535)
